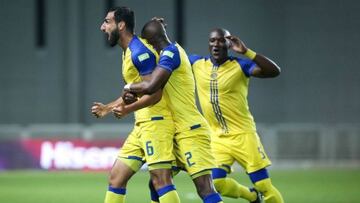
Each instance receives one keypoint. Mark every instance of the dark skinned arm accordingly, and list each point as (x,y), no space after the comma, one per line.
(144,101)
(155,82)
(265,68)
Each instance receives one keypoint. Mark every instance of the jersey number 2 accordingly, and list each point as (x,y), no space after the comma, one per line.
(188,157)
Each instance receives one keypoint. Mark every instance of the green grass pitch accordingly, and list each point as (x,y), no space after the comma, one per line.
(297,186)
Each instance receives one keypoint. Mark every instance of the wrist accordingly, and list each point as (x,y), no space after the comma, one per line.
(108,108)
(127,87)
(250,54)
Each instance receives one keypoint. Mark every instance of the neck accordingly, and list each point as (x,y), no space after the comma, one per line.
(125,39)
(220,61)
(162,44)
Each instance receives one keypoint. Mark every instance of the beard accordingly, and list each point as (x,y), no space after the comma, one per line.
(114,37)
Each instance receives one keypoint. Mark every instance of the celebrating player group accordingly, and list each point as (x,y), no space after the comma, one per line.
(170,134)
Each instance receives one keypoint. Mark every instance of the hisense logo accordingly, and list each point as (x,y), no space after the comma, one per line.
(64,155)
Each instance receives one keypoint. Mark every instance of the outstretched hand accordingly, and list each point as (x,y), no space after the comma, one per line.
(120,111)
(99,110)
(236,44)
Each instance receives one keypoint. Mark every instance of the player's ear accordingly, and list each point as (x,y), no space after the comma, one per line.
(121,25)
(227,42)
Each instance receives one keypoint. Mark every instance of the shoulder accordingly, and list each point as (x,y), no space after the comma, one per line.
(246,65)
(138,47)
(170,51)
(193,58)
(142,56)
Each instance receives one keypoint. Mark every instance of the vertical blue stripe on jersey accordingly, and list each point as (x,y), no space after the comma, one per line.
(215,104)
(214,92)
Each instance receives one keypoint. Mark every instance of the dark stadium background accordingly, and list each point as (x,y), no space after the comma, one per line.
(54,62)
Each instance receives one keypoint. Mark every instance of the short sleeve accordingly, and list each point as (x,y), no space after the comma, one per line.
(142,57)
(246,65)
(193,58)
(170,58)
(144,62)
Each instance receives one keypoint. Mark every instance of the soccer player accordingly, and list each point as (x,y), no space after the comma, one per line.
(152,136)
(222,85)
(192,140)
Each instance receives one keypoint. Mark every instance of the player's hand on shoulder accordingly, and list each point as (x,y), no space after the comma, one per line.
(236,44)
(99,110)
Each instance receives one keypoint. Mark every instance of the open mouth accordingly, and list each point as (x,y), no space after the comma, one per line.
(216,51)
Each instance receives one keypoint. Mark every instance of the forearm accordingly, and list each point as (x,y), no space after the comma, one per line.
(144,87)
(151,83)
(144,101)
(114,104)
(266,67)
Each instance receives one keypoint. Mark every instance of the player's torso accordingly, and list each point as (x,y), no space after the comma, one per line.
(180,96)
(222,92)
(139,49)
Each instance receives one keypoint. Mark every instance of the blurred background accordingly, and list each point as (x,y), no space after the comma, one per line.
(55,63)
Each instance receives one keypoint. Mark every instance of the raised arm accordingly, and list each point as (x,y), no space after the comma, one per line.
(265,68)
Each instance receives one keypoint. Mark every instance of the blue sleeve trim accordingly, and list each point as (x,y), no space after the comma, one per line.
(246,65)
(142,57)
(212,198)
(165,190)
(119,191)
(259,175)
(170,58)
(193,58)
(218,173)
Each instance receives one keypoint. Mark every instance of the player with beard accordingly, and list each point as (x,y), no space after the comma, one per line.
(153,133)
(222,85)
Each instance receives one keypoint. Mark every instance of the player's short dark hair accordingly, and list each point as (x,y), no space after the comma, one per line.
(153,29)
(124,14)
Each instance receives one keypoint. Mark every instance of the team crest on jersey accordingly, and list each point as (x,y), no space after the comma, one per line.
(168,53)
(143,57)
(213,75)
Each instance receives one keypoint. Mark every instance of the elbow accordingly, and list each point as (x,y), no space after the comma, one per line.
(277,71)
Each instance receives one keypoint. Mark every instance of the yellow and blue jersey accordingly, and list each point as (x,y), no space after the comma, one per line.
(140,59)
(180,89)
(222,90)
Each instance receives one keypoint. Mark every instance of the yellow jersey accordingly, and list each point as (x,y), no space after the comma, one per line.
(222,90)
(140,59)
(179,91)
